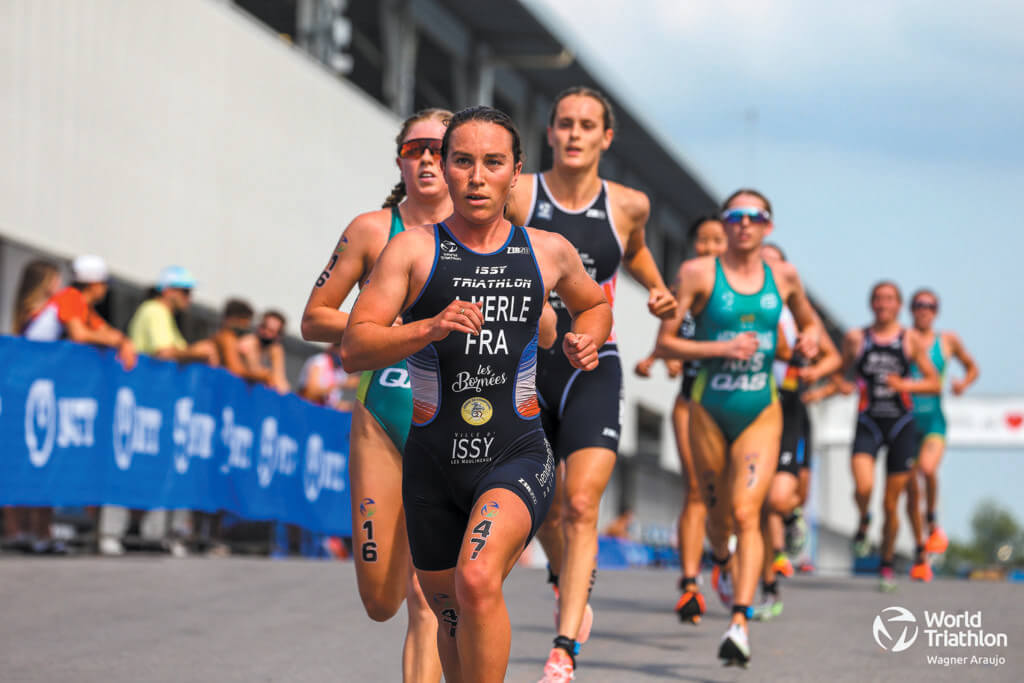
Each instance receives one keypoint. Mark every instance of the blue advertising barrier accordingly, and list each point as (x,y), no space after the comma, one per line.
(77,429)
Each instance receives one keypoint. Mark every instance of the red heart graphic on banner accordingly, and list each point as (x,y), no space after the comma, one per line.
(1015,420)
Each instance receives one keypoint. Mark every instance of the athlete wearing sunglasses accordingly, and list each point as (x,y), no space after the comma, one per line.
(381,417)
(931,423)
(414,148)
(735,417)
(735,215)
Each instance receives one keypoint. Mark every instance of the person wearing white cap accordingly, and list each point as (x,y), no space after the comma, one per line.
(71,314)
(153,329)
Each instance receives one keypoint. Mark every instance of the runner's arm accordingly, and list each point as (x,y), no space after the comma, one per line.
(668,326)
(321,319)
(821,391)
(693,278)
(807,320)
(548,333)
(852,343)
(583,297)
(971,372)
(828,362)
(637,257)
(372,340)
(929,383)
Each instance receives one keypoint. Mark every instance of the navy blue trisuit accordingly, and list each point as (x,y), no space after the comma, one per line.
(476,420)
(581,409)
(885,417)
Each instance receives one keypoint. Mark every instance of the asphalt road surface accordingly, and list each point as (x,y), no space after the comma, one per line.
(154,619)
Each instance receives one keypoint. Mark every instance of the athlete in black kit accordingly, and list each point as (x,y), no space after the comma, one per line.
(605,222)
(880,357)
(478,473)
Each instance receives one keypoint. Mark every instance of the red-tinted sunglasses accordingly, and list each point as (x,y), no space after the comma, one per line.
(413,149)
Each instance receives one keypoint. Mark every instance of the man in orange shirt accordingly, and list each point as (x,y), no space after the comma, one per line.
(70,314)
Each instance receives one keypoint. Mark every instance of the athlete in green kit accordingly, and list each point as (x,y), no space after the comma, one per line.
(381,417)
(387,394)
(931,423)
(734,391)
(735,418)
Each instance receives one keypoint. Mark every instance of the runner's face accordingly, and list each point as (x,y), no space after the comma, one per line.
(747,236)
(885,303)
(924,309)
(422,175)
(578,135)
(710,240)
(480,170)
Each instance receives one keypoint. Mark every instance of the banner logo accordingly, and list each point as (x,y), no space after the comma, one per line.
(324,469)
(40,421)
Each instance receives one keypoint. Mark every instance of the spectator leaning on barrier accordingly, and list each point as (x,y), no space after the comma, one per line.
(28,528)
(153,329)
(156,334)
(236,324)
(324,382)
(70,313)
(265,350)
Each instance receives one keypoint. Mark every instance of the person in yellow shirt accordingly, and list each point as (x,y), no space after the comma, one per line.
(152,329)
(154,333)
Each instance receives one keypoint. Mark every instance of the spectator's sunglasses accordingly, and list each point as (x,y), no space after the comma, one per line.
(413,149)
(924,306)
(736,215)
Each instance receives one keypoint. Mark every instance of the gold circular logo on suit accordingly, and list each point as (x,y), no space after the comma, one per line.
(477,411)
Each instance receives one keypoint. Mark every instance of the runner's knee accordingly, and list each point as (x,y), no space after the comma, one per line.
(419,611)
(380,605)
(928,467)
(747,517)
(781,501)
(891,504)
(582,509)
(477,586)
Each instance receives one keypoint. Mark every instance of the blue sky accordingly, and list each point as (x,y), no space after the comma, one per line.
(889,136)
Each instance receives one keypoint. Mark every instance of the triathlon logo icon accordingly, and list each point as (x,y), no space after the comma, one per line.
(900,620)
(449,251)
(490,510)
(477,411)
